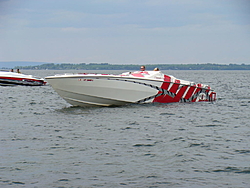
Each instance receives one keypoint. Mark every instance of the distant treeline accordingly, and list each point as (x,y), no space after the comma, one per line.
(106,66)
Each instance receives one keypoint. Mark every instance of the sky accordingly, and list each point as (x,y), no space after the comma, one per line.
(125,31)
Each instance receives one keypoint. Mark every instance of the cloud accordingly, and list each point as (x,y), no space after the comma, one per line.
(125,30)
(110,13)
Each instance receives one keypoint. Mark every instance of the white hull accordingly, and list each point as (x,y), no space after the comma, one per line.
(101,91)
(110,90)
(12,78)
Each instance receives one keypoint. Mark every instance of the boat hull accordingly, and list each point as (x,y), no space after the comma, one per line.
(86,90)
(24,82)
(10,79)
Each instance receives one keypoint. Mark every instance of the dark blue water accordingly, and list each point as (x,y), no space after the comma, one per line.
(47,143)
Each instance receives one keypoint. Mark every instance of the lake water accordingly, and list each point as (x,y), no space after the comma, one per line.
(45,142)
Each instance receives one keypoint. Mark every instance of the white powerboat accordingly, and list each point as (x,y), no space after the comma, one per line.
(84,89)
(11,78)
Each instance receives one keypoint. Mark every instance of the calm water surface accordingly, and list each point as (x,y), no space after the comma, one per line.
(47,143)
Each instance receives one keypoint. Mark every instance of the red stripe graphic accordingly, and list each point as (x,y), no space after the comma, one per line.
(189,92)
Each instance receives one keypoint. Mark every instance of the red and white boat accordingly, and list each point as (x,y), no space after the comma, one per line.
(84,89)
(11,78)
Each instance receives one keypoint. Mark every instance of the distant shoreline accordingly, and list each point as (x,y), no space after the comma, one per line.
(106,66)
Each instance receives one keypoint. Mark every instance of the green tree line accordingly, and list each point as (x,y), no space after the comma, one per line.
(106,66)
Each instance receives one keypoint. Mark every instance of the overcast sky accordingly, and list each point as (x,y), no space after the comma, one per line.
(125,31)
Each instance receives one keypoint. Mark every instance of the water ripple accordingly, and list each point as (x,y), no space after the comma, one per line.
(45,142)
(244,170)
